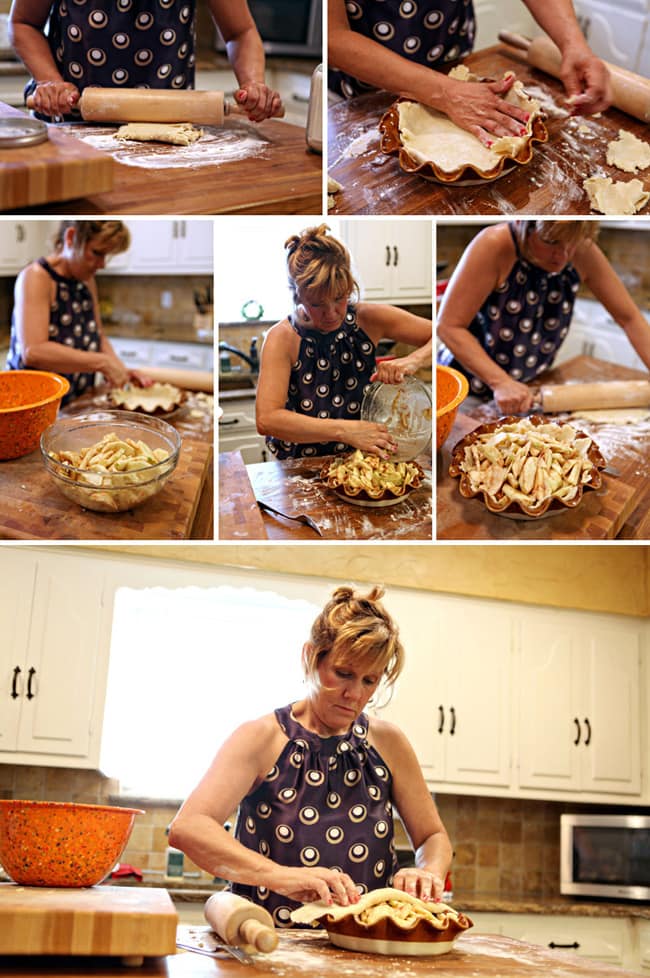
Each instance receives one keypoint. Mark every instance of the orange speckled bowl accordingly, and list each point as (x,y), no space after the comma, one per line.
(29,401)
(60,843)
(451,390)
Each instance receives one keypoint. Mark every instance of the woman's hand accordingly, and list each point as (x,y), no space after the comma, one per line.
(586,80)
(141,380)
(394,371)
(512,397)
(318,883)
(259,101)
(55,98)
(369,437)
(479,108)
(114,371)
(419,883)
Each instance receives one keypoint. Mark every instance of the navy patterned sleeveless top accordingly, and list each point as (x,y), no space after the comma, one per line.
(328,380)
(325,802)
(72,322)
(523,323)
(123,43)
(426,32)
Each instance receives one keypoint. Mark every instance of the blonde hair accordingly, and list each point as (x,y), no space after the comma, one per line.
(568,232)
(111,236)
(318,265)
(355,627)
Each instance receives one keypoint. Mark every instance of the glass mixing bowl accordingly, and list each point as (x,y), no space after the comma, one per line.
(406,410)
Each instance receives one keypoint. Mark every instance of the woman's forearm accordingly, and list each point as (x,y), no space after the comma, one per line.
(637,330)
(216,851)
(558,19)
(33,50)
(246,55)
(373,64)
(467,349)
(435,854)
(65,359)
(298,428)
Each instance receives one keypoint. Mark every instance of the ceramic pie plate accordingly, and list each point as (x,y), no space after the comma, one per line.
(512,509)
(153,410)
(385,936)
(391,143)
(363,500)
(479,182)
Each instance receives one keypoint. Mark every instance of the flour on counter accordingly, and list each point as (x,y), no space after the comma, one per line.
(217,145)
(361,144)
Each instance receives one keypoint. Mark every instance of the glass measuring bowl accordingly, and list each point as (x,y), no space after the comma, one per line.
(406,410)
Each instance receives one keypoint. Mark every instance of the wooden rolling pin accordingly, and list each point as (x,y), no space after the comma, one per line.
(191,380)
(154,105)
(630,92)
(601,394)
(240,923)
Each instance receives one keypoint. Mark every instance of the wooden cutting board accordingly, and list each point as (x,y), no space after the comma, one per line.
(59,169)
(239,514)
(33,508)
(99,920)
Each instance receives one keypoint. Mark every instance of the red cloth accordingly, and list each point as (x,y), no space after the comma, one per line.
(123,869)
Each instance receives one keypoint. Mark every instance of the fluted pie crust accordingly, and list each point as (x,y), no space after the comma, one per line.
(429,143)
(388,921)
(157,399)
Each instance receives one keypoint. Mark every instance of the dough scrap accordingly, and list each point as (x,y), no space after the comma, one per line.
(401,907)
(614,196)
(333,186)
(430,136)
(614,415)
(628,153)
(180,133)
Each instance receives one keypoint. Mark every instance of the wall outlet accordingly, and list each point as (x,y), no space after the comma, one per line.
(166,299)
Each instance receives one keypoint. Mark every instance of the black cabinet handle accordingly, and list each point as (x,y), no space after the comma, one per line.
(395,255)
(441,719)
(577,740)
(588,737)
(573,946)
(388,254)
(30,676)
(14,684)
(224,424)
(452,730)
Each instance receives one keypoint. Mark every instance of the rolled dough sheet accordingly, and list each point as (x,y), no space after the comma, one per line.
(614,196)
(630,415)
(309,912)
(179,133)
(430,136)
(628,153)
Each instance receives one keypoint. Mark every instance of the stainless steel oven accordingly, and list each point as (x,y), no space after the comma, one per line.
(605,856)
(288,27)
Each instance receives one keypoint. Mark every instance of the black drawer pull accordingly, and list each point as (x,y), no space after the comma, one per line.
(14,684)
(224,424)
(572,947)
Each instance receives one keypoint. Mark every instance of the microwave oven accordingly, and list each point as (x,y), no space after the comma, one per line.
(605,856)
(287,27)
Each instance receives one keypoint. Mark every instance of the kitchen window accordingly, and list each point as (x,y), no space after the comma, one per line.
(187,666)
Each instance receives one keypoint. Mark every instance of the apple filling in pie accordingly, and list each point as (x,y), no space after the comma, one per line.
(376,477)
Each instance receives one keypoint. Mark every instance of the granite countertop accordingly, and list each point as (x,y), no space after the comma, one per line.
(568,906)
(168,333)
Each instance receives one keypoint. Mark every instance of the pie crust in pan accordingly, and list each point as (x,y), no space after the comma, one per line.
(404,115)
(157,400)
(355,494)
(500,506)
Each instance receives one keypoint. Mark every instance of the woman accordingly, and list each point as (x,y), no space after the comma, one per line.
(393,44)
(317,363)
(68,46)
(508,305)
(315,782)
(56,323)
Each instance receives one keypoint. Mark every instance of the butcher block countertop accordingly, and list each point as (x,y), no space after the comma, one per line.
(34,509)
(310,955)
(551,183)
(279,176)
(620,510)
(294,487)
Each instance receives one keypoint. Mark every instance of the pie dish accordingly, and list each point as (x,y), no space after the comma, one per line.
(158,399)
(427,142)
(527,465)
(388,921)
(367,479)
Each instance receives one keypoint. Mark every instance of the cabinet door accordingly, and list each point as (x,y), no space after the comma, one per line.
(15,246)
(613,34)
(548,676)
(153,246)
(412,268)
(643,932)
(611,757)
(194,247)
(18,572)
(64,640)
(391,259)
(601,938)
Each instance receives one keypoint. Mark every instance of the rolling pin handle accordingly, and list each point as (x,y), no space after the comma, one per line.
(515,40)
(258,935)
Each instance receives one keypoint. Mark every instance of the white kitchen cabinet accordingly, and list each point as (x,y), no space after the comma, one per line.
(579,719)
(136,353)
(164,247)
(21,242)
(642,928)
(616,32)
(391,259)
(595,333)
(238,431)
(455,711)
(55,664)
(599,938)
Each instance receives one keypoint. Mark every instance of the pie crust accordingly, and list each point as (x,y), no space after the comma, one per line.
(579,450)
(429,143)
(366,477)
(158,399)
(388,921)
